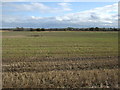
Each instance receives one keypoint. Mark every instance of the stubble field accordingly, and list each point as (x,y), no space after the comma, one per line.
(66,59)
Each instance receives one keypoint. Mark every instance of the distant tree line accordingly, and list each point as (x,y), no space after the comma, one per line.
(63,29)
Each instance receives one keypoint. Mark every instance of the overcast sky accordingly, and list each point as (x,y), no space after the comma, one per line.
(59,15)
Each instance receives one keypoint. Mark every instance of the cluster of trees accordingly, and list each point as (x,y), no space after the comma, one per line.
(64,29)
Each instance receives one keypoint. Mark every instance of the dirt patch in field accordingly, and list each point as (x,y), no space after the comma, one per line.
(19,36)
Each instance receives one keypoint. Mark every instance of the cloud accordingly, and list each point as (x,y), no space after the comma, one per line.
(106,14)
(65,6)
(33,17)
(60,1)
(36,6)
(98,17)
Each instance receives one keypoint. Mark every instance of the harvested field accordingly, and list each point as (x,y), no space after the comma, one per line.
(67,59)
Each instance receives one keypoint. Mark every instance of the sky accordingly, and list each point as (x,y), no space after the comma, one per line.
(59,14)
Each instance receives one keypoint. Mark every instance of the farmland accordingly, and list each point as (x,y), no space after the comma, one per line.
(54,59)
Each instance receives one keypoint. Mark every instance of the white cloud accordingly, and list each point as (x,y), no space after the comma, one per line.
(33,17)
(65,6)
(101,17)
(39,7)
(106,14)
